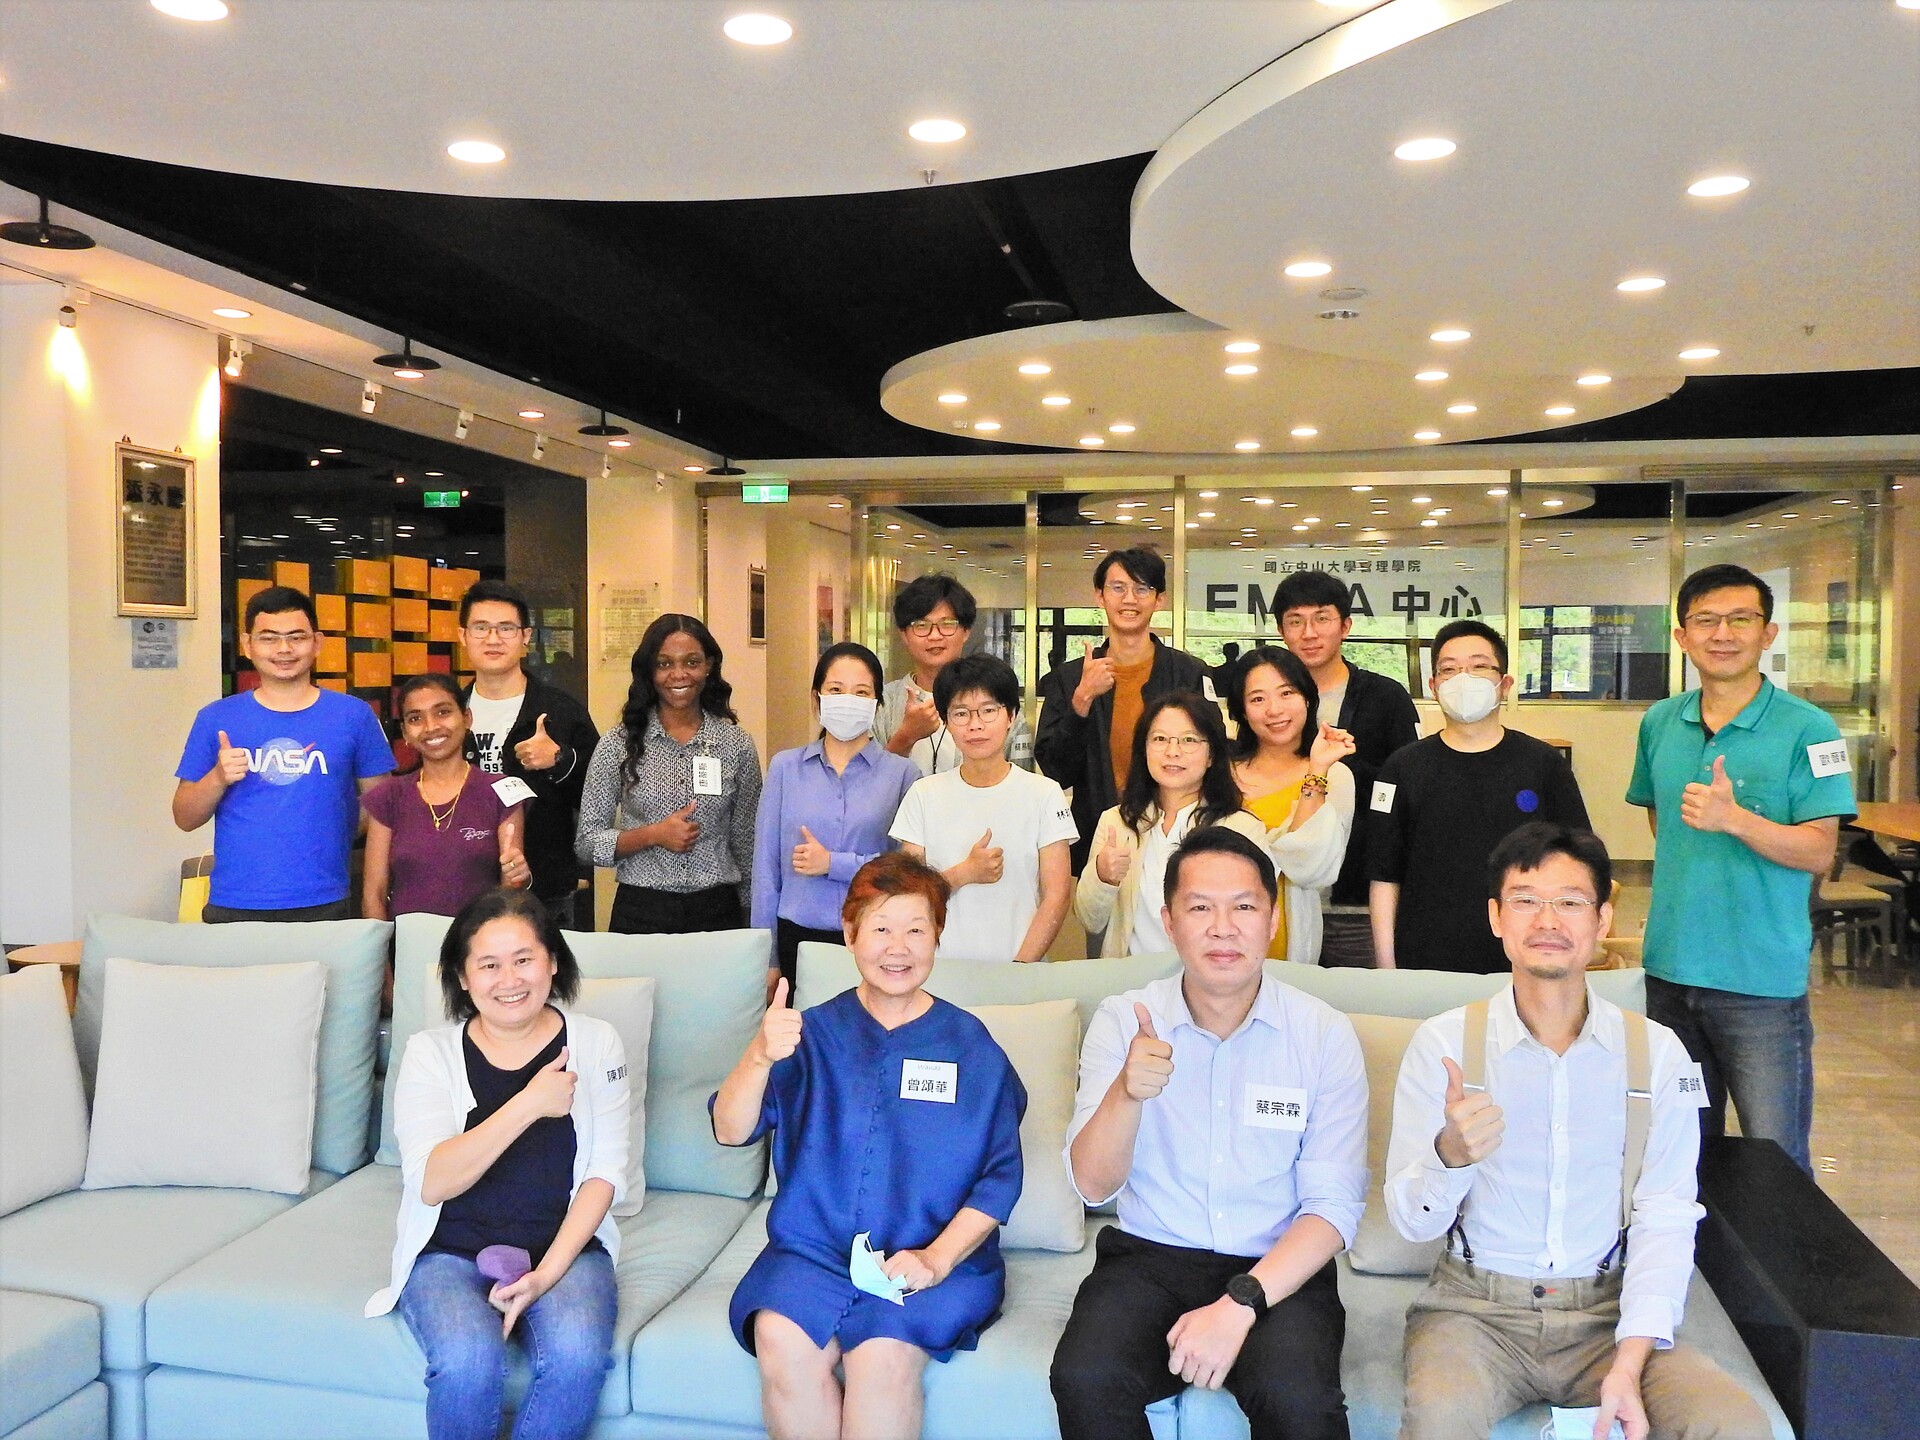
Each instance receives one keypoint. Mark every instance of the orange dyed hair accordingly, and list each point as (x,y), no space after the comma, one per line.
(896,873)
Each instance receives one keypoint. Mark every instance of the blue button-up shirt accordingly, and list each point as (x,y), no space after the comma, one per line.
(848,812)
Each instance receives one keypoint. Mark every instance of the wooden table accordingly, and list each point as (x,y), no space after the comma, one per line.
(64,953)
(1900,821)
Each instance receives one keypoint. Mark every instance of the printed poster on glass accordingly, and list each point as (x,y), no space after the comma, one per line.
(153,541)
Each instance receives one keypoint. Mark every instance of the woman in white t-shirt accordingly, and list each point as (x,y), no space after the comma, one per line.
(999,834)
(1180,780)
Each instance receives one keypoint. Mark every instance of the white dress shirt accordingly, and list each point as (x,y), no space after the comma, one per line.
(1547,1202)
(1251,1131)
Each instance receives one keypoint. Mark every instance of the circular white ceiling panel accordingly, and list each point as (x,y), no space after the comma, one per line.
(1577,128)
(634,100)
(1162,384)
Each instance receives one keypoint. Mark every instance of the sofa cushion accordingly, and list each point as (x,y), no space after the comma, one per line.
(710,992)
(355,954)
(49,1348)
(1378,1248)
(112,1248)
(284,1302)
(1419,994)
(81,1416)
(173,1039)
(1042,1041)
(43,1124)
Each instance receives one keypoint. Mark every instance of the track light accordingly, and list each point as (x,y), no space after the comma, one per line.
(606,467)
(237,352)
(43,234)
(603,428)
(69,317)
(369,397)
(462,425)
(539,446)
(404,364)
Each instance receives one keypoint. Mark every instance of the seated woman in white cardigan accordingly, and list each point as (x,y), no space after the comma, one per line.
(512,1125)
(1290,775)
(1180,780)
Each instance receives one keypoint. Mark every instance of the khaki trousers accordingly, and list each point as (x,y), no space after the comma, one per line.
(1481,1346)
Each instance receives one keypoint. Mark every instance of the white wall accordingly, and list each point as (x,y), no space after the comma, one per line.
(736,542)
(89,744)
(637,536)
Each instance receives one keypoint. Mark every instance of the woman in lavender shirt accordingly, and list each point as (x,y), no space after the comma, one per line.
(445,832)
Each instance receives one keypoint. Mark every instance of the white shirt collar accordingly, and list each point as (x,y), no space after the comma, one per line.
(1603,1024)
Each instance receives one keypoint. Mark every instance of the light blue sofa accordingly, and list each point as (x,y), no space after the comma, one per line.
(236,1316)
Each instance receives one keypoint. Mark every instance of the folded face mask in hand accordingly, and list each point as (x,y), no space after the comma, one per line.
(1577,1425)
(863,1267)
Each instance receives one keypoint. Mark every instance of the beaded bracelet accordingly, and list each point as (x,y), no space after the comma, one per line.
(1313,785)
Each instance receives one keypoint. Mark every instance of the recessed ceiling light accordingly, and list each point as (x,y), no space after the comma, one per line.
(1206,514)
(1343,524)
(1093,439)
(986,424)
(1243,369)
(1553,504)
(1841,500)
(619,444)
(1121,429)
(1036,367)
(1558,411)
(1309,269)
(533,414)
(1429,524)
(953,397)
(1423,499)
(758,30)
(836,504)
(1640,284)
(1718,185)
(1450,337)
(407,372)
(1243,347)
(1056,400)
(1193,524)
(1430,376)
(1789,514)
(1707,352)
(1497,491)
(329,449)
(1596,378)
(1209,494)
(1263,499)
(192,9)
(1462,409)
(694,469)
(937,132)
(1426,434)
(1304,432)
(477,152)
(232,312)
(1310,519)
(1246,444)
(1438,511)
(1432,148)
(1362,489)
(1298,528)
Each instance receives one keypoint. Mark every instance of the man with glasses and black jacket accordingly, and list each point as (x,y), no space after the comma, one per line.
(935,615)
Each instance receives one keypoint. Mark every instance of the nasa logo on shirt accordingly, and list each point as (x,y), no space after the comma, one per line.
(283,761)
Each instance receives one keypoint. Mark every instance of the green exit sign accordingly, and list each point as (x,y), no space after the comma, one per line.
(440,499)
(763,494)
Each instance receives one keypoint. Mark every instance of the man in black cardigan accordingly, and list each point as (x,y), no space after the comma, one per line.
(527,728)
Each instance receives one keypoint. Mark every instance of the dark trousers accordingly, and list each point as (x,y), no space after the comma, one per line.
(1346,939)
(1754,1049)
(211,914)
(787,938)
(1112,1360)
(639,911)
(572,909)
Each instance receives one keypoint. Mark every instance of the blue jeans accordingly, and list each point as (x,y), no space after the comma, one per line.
(1757,1048)
(568,1333)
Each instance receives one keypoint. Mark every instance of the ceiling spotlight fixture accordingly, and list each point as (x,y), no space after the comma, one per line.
(1707,352)
(1123,428)
(1717,185)
(43,234)
(1308,269)
(1431,148)
(1056,400)
(533,414)
(603,428)
(1462,409)
(232,312)
(1430,377)
(1304,432)
(1640,284)
(1426,434)
(986,425)
(1596,378)
(1243,347)
(461,425)
(369,397)
(539,446)
(1450,337)
(1246,444)
(404,364)
(1243,369)
(192,9)
(476,152)
(953,397)
(1036,367)
(937,132)
(237,352)
(1093,439)
(758,30)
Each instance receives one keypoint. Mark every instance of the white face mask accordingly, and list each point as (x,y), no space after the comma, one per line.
(847,717)
(1468,698)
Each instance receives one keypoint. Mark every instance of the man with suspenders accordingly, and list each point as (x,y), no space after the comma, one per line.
(1551,1137)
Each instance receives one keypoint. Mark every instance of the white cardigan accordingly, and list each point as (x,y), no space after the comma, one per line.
(1310,858)
(1101,906)
(430,1104)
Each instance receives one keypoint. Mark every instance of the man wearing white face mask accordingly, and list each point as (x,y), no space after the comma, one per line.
(1438,808)
(825,809)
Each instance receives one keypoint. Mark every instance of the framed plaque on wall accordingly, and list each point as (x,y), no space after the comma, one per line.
(153,539)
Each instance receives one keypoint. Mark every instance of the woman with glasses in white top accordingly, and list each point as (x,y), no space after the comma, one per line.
(1180,780)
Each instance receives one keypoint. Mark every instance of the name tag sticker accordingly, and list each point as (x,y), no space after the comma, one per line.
(1829,757)
(1691,1086)
(513,790)
(1383,796)
(706,775)
(934,1080)
(1275,1107)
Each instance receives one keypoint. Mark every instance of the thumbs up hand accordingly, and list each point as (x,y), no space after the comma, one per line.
(779,1033)
(1474,1123)
(232,763)
(983,866)
(1096,679)
(1112,861)
(810,857)
(678,832)
(1710,807)
(1149,1059)
(550,1092)
(539,750)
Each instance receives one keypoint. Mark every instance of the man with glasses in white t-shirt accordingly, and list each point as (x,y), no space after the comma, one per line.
(934,615)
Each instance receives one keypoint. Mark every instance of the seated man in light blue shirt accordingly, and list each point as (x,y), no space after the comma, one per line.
(1228,1113)
(1551,1137)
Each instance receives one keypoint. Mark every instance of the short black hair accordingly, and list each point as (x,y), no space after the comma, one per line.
(848,650)
(1528,847)
(1309,590)
(922,595)
(1218,840)
(1722,577)
(1294,671)
(483,909)
(1454,629)
(498,591)
(1143,566)
(988,673)
(278,600)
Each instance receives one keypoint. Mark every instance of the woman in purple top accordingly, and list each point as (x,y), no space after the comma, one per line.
(825,808)
(445,832)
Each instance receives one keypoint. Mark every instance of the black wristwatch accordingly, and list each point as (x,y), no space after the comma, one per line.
(1248,1292)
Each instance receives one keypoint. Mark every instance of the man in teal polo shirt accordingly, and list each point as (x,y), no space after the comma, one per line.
(1745,786)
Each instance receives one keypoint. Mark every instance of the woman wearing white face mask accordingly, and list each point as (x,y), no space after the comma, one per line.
(825,808)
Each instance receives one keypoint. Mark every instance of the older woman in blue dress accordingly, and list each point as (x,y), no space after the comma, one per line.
(896,1139)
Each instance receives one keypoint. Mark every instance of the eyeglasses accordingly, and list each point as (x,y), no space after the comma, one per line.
(1296,622)
(1485,670)
(1567,907)
(275,639)
(960,717)
(1741,622)
(1176,744)
(484,629)
(1120,590)
(665,664)
(921,629)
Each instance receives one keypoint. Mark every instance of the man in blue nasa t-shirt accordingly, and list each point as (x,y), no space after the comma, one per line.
(282,767)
